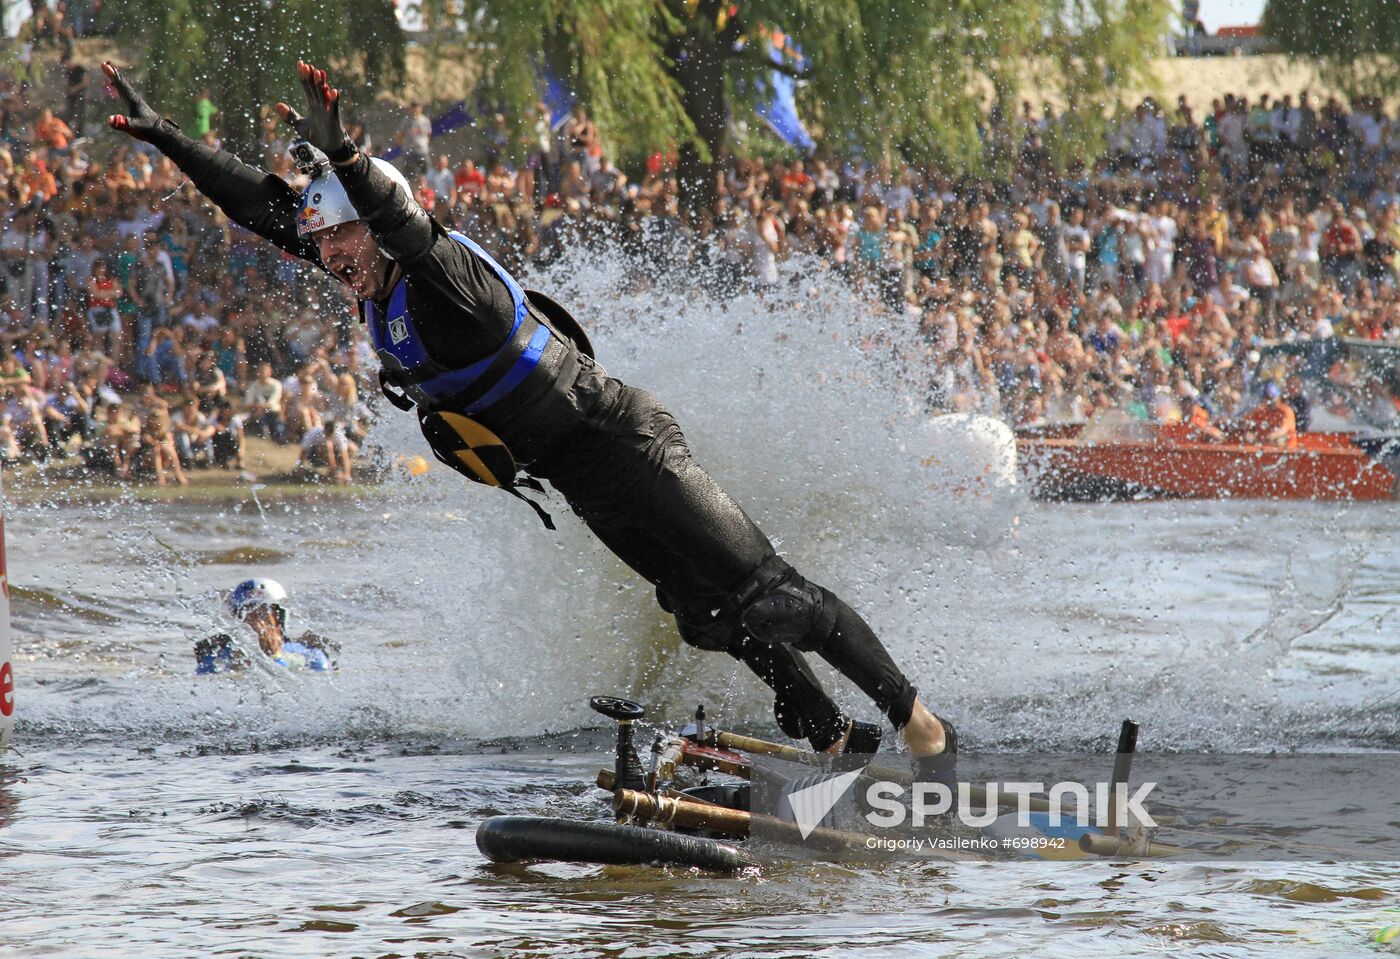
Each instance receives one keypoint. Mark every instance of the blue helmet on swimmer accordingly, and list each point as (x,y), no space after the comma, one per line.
(324,203)
(259,591)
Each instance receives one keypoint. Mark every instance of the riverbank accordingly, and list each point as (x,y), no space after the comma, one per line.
(271,474)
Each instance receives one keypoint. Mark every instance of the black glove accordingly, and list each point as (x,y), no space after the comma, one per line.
(321,126)
(140,120)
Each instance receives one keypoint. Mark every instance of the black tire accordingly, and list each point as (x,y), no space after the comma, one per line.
(541,839)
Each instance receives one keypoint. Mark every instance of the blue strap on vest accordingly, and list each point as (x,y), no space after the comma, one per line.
(421,381)
(527,361)
(517,293)
(396,339)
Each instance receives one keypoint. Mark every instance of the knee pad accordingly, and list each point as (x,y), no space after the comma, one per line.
(780,607)
(789,614)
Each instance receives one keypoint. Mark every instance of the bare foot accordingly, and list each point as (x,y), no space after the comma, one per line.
(924,734)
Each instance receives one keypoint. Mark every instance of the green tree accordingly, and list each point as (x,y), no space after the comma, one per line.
(909,75)
(1354,43)
(245,52)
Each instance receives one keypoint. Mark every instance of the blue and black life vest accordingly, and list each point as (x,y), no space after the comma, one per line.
(447,399)
(427,383)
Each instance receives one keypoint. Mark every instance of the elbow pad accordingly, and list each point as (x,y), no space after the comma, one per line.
(406,232)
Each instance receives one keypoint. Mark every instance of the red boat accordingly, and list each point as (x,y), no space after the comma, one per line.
(1165,461)
(1349,387)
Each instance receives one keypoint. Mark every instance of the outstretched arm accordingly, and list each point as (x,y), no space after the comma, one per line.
(259,201)
(398,223)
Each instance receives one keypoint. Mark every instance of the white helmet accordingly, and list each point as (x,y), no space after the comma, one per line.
(324,203)
(252,593)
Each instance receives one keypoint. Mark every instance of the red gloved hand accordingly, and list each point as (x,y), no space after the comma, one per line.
(321,127)
(140,121)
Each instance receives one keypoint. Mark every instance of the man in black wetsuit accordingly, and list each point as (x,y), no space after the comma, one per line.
(503,380)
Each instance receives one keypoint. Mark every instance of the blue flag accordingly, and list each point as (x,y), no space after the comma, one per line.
(777,101)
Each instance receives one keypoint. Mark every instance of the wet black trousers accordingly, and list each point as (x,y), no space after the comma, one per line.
(623,465)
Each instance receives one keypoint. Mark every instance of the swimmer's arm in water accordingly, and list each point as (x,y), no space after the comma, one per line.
(219,654)
(330,647)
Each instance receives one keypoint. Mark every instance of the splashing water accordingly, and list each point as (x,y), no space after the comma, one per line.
(462,616)
(300,814)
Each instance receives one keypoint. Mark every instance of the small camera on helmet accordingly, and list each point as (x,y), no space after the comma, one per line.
(309,160)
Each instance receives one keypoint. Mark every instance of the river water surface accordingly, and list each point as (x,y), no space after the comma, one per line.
(147,812)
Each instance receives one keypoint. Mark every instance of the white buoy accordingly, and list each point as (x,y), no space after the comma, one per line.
(967,453)
(966,475)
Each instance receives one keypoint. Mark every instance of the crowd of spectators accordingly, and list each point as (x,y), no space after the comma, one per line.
(1142,280)
(143,332)
(140,331)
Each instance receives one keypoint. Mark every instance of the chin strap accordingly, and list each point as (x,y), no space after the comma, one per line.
(391,274)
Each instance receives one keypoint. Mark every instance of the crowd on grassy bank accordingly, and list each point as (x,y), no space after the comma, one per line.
(1142,281)
(142,331)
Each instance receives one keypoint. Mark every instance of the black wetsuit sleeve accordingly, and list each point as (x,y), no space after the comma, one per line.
(462,308)
(262,202)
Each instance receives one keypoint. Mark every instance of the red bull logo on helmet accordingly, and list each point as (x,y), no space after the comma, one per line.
(310,219)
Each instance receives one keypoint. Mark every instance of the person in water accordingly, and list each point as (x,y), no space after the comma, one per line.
(262,606)
(507,392)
